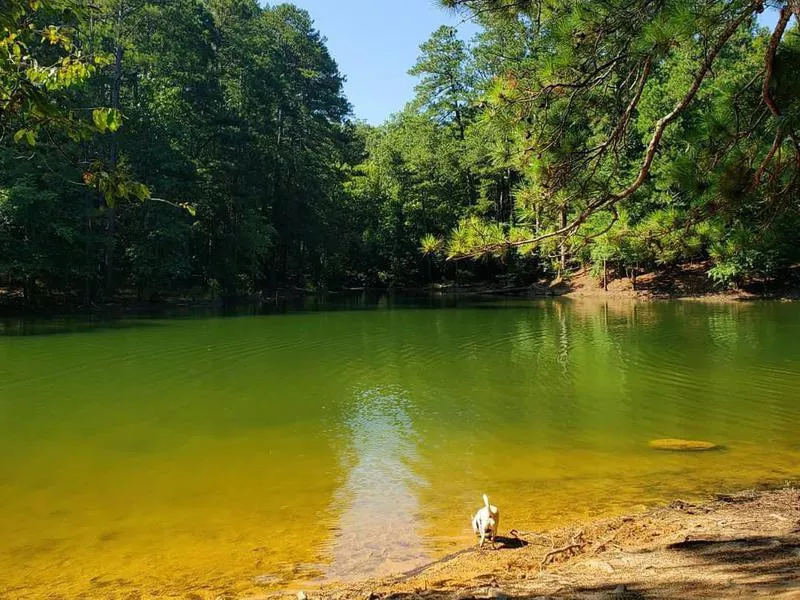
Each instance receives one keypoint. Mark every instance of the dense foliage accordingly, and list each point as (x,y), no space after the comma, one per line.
(204,147)
(232,126)
(644,133)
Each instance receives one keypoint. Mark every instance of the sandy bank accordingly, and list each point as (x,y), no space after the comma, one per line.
(688,281)
(740,546)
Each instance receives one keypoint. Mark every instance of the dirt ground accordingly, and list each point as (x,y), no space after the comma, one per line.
(688,281)
(739,546)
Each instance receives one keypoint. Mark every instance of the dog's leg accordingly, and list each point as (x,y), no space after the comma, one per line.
(483,537)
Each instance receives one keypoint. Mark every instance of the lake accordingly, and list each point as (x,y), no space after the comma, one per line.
(259,452)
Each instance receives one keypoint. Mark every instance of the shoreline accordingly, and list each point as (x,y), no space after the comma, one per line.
(575,292)
(738,545)
(684,282)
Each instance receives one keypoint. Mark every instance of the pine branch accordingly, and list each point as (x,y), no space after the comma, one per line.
(768,158)
(769,71)
(653,145)
(623,123)
(769,63)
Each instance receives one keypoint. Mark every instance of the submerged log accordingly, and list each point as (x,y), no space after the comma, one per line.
(677,445)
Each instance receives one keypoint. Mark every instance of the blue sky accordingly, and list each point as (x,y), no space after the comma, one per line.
(375,43)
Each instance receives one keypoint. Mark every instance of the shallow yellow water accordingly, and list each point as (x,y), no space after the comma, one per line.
(169,457)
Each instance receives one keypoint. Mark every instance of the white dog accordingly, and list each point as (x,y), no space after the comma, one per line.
(486,521)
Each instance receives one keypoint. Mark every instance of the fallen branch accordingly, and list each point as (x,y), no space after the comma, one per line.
(602,545)
(576,543)
(523,535)
(422,568)
(557,551)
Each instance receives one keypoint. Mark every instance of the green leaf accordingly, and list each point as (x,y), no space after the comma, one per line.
(113,119)
(140,191)
(100,119)
(107,119)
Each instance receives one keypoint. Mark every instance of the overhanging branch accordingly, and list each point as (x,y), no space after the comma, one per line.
(612,198)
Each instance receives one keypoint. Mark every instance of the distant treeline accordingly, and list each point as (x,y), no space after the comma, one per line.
(205,147)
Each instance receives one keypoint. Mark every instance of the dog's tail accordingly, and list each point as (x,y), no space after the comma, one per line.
(486,500)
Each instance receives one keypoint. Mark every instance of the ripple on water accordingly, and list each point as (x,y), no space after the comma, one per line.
(348,444)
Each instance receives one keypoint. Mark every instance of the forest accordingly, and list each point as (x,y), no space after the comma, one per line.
(205,148)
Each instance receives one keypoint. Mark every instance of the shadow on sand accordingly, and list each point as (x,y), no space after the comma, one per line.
(743,567)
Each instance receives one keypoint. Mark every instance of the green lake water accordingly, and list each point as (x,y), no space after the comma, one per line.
(156,457)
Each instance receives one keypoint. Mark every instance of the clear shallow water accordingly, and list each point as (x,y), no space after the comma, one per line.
(247,453)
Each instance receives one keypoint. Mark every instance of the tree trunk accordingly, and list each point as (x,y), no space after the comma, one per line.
(510,197)
(90,260)
(462,136)
(111,226)
(111,229)
(27,291)
(562,265)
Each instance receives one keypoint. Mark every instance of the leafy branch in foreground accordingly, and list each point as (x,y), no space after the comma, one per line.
(40,59)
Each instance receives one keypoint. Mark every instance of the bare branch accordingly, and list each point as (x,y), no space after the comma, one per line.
(769,62)
(793,7)
(768,158)
(623,123)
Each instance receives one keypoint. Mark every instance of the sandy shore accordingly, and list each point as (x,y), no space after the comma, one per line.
(738,546)
(689,281)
